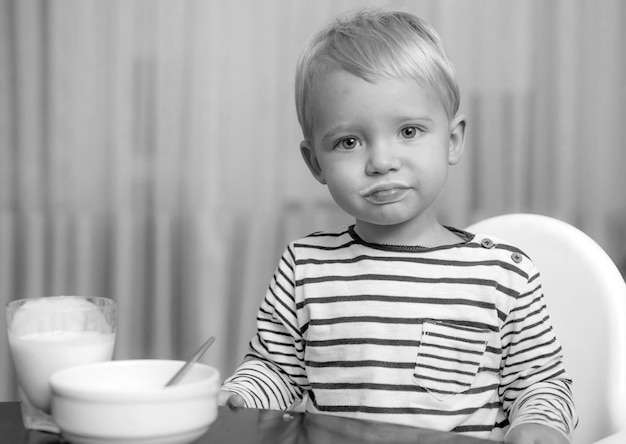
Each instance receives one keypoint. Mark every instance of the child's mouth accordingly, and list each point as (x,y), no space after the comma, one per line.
(385,196)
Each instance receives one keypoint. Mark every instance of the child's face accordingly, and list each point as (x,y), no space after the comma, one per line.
(382,148)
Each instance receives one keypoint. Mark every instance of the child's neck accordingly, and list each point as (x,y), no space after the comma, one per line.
(429,236)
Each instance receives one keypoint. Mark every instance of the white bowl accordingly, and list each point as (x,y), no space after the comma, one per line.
(127,402)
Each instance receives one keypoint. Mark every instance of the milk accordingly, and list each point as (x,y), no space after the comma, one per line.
(37,355)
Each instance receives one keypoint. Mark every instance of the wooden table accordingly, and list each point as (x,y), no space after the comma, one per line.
(251,426)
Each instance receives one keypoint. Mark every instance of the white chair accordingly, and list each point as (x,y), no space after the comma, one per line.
(586,298)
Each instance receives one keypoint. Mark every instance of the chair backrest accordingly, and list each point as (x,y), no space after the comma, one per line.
(586,298)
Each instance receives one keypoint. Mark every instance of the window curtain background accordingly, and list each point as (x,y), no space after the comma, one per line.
(149,148)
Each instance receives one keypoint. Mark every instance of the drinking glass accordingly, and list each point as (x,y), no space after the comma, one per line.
(50,333)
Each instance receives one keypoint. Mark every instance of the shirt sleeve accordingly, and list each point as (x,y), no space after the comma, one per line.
(272,375)
(535,387)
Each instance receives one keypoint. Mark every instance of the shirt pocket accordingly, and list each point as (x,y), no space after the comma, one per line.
(448,358)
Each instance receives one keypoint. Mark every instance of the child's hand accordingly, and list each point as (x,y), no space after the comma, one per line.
(235,402)
(535,434)
(230,400)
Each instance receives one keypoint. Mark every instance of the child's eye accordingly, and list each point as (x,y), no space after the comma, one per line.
(410,132)
(348,143)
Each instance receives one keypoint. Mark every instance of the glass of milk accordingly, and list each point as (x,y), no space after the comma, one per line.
(50,333)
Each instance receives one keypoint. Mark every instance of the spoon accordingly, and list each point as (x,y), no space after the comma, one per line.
(185,368)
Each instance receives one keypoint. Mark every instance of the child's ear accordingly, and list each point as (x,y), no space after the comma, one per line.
(457,139)
(308,154)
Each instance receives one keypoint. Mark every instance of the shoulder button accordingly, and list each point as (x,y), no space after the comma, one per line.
(487,243)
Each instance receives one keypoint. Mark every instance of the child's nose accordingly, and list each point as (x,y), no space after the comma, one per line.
(381,159)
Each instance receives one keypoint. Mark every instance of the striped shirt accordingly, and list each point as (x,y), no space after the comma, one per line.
(453,338)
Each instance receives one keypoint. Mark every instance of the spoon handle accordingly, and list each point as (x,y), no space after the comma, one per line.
(185,368)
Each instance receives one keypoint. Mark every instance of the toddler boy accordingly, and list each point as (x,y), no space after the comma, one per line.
(398,318)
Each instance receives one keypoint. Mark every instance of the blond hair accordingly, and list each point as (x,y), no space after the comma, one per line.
(374,45)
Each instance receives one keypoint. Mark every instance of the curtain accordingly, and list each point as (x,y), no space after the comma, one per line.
(149,148)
